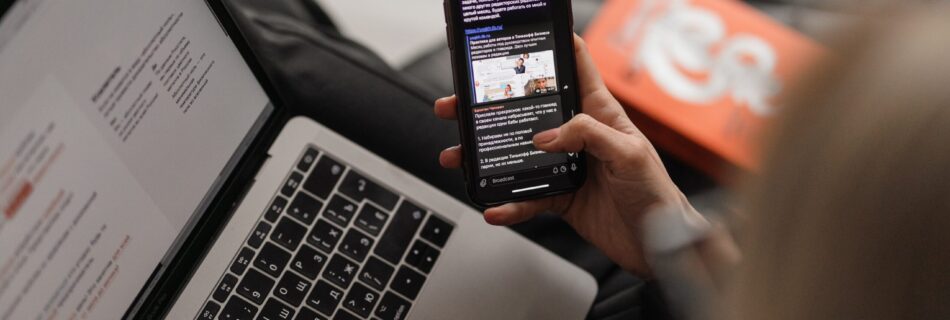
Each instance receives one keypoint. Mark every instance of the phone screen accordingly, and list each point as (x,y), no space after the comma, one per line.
(520,82)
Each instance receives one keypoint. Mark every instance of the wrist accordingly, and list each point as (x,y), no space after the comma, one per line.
(671,227)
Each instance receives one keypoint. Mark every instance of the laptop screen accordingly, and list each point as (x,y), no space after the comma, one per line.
(117,117)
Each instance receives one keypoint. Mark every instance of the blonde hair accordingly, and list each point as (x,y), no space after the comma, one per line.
(850,218)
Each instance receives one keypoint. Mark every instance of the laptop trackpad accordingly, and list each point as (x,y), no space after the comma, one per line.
(489,272)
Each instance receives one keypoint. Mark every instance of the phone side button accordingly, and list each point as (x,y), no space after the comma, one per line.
(448,37)
(445,11)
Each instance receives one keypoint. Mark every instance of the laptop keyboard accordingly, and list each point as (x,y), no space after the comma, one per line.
(332,245)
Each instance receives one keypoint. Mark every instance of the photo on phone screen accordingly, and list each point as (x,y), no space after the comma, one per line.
(515,62)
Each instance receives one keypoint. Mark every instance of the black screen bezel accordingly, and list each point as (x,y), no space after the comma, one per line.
(562,22)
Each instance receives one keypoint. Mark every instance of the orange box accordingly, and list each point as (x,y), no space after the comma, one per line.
(699,77)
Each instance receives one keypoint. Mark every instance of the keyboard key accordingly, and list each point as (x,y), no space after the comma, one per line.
(260,233)
(392,307)
(288,233)
(340,271)
(308,262)
(436,231)
(356,245)
(308,314)
(255,286)
(361,300)
(376,273)
(292,289)
(304,208)
(224,288)
(371,219)
(422,256)
(343,315)
(324,177)
(324,236)
(276,208)
(293,181)
(238,309)
(358,188)
(243,259)
(407,282)
(272,259)
(210,311)
(396,239)
(324,298)
(340,211)
(307,159)
(274,310)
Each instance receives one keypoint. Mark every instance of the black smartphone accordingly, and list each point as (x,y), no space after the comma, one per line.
(515,76)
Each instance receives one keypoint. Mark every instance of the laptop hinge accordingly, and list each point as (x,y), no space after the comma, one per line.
(138,298)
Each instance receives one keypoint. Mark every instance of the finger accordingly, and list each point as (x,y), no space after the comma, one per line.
(451,157)
(517,212)
(585,133)
(587,74)
(445,108)
(596,98)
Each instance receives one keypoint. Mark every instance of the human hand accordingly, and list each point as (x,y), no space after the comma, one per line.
(625,179)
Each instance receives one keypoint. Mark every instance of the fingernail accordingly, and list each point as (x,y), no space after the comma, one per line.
(453,149)
(546,136)
(443,156)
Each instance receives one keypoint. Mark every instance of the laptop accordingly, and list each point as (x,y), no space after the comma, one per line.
(148,170)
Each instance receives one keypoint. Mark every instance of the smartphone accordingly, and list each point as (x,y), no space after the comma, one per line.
(515,76)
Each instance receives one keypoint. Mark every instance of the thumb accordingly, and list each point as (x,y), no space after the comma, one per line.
(584,133)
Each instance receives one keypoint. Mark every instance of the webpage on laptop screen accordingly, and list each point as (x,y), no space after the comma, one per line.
(118,116)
